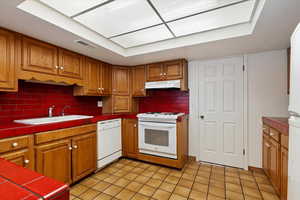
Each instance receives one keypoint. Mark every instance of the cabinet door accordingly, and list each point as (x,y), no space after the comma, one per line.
(7,61)
(54,160)
(39,57)
(130,138)
(154,72)
(121,104)
(121,80)
(21,158)
(266,155)
(106,79)
(173,70)
(274,164)
(284,173)
(70,64)
(84,155)
(92,74)
(138,81)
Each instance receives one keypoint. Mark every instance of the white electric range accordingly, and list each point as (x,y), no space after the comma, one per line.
(157,133)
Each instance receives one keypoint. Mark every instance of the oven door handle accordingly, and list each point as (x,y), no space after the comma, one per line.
(160,125)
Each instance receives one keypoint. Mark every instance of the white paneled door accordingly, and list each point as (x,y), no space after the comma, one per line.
(217,110)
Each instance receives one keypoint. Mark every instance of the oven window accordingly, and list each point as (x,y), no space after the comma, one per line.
(157,137)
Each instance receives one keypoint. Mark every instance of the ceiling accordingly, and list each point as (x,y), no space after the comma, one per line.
(156,30)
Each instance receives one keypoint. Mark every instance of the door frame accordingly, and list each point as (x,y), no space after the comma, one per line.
(245,110)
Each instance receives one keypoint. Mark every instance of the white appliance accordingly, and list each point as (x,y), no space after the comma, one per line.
(162,84)
(158,134)
(294,121)
(109,145)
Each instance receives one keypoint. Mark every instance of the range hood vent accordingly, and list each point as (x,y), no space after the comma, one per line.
(163,84)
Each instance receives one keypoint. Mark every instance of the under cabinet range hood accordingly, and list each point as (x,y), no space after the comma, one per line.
(163,84)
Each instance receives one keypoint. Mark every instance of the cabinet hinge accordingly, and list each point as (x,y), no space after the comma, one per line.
(244,152)
(244,67)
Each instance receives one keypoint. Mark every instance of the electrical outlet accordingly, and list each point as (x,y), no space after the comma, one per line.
(99,103)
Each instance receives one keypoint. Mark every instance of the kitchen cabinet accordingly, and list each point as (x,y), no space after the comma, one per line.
(169,70)
(83,155)
(70,64)
(54,160)
(44,62)
(275,156)
(18,150)
(68,154)
(120,80)
(130,138)
(106,79)
(8,81)
(121,104)
(138,81)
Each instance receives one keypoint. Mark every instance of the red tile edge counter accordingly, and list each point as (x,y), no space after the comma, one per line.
(15,129)
(30,183)
(279,123)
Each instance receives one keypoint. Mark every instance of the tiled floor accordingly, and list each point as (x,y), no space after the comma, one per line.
(128,179)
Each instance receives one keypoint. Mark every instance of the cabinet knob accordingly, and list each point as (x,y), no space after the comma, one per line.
(102,89)
(75,146)
(272,134)
(267,145)
(165,74)
(26,161)
(134,125)
(62,68)
(161,74)
(114,90)
(99,88)
(15,144)
(70,148)
(56,67)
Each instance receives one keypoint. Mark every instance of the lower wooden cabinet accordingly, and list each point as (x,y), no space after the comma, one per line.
(275,164)
(266,155)
(130,137)
(284,172)
(22,158)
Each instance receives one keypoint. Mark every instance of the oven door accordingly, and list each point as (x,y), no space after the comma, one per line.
(158,139)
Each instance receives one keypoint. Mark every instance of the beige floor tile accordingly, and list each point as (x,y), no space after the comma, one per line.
(121,173)
(141,179)
(167,187)
(232,174)
(148,173)
(230,195)
(262,180)
(219,192)
(153,168)
(269,196)
(176,173)
(164,170)
(233,180)
(251,192)
(78,189)
(128,168)
(189,176)
(177,197)
(159,176)
(103,196)
(112,190)
(139,197)
(203,174)
(217,183)
(89,195)
(89,182)
(134,186)
(72,197)
(196,195)
(213,197)
(130,176)
(247,177)
(155,183)
(252,198)
(250,184)
(266,188)
(161,195)
(218,177)
(185,183)
(172,179)
(202,180)
(122,182)
(137,170)
(101,186)
(101,175)
(234,187)
(125,195)
(111,170)
(111,179)
(182,191)
(147,190)
(200,187)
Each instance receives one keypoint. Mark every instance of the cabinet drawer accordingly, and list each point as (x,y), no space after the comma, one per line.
(275,134)
(12,144)
(266,129)
(285,141)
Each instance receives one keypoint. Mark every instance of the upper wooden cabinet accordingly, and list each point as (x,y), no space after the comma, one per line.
(169,70)
(70,64)
(120,80)
(106,79)
(8,81)
(138,81)
(39,57)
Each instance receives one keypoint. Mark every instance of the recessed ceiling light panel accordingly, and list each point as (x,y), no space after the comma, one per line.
(144,36)
(119,17)
(232,15)
(72,7)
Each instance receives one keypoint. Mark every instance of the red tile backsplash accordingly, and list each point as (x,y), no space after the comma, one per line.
(33,100)
(165,100)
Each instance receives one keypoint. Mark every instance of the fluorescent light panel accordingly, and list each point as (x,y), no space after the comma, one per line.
(120,17)
(72,7)
(144,36)
(235,14)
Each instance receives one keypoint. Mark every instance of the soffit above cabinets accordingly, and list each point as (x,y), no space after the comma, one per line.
(150,24)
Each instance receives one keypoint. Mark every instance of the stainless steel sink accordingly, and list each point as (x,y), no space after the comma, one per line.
(49,120)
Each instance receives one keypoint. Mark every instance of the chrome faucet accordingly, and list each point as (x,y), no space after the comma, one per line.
(63,110)
(50,111)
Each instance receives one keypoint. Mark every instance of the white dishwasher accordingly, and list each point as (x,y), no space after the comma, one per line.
(109,143)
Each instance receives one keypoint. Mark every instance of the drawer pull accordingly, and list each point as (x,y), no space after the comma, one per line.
(267,145)
(75,146)
(26,161)
(272,134)
(15,144)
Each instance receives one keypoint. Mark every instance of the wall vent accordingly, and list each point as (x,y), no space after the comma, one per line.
(83,43)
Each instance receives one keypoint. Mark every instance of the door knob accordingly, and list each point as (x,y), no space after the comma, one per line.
(201,116)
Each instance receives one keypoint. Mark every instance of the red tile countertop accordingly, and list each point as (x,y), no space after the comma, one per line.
(279,123)
(15,129)
(17,183)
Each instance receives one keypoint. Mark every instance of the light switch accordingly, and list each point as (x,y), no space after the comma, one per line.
(99,104)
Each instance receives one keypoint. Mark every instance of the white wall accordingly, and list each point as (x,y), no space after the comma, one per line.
(267,96)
